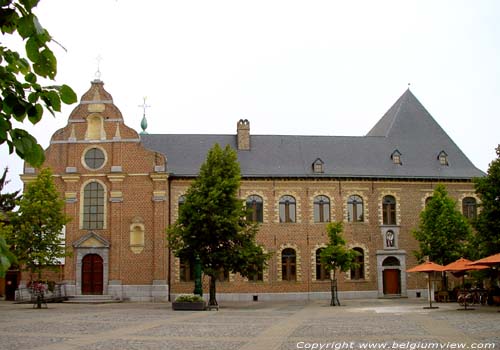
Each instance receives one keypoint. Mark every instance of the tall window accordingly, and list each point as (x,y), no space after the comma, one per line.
(321,272)
(358,272)
(287,209)
(389,210)
(255,208)
(288,265)
(355,209)
(469,208)
(93,206)
(180,203)
(186,271)
(321,209)
(257,276)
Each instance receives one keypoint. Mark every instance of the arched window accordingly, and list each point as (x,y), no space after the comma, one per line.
(288,265)
(358,272)
(355,209)
(389,210)
(427,200)
(321,209)
(93,206)
(287,209)
(255,208)
(321,272)
(469,207)
(186,270)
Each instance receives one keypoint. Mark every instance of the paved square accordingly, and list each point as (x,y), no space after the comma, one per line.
(397,323)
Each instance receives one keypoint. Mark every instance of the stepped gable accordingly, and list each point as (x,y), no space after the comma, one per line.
(407,128)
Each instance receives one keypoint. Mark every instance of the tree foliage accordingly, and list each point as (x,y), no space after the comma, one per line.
(7,204)
(37,236)
(212,222)
(443,232)
(487,225)
(336,256)
(22,94)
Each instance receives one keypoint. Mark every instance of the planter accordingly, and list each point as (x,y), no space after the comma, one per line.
(188,306)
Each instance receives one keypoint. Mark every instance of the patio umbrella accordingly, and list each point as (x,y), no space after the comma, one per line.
(462,265)
(489,260)
(428,267)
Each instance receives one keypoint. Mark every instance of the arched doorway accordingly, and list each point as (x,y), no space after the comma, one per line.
(391,276)
(92,274)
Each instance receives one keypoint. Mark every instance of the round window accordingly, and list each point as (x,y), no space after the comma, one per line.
(94,158)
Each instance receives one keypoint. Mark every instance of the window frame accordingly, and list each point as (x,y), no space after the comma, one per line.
(255,207)
(287,209)
(389,216)
(469,210)
(289,265)
(321,273)
(94,204)
(321,209)
(352,209)
(358,273)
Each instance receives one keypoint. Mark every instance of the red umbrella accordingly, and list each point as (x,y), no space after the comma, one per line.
(428,267)
(489,260)
(462,265)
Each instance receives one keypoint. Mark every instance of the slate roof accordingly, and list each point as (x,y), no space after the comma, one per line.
(406,127)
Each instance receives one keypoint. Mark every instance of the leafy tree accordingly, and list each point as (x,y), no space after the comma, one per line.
(443,232)
(22,95)
(7,204)
(38,225)
(336,256)
(212,222)
(487,225)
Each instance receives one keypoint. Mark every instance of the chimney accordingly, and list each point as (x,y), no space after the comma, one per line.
(243,135)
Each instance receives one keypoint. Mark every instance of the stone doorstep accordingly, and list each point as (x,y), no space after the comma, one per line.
(92,299)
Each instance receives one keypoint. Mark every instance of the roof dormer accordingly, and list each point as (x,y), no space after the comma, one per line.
(443,158)
(396,157)
(318,166)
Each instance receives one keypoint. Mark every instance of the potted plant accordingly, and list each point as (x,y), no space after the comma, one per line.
(189,302)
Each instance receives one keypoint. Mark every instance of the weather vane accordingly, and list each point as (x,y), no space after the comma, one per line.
(98,72)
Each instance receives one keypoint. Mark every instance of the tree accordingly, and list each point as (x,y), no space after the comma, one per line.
(38,225)
(335,256)
(212,223)
(443,232)
(487,224)
(22,95)
(7,204)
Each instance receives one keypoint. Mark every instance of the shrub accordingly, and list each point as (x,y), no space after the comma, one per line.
(188,298)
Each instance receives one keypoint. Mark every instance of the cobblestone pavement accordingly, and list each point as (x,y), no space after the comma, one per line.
(397,323)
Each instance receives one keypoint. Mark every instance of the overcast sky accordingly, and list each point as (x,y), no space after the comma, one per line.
(290,67)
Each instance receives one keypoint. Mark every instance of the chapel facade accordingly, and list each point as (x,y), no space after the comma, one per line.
(123,189)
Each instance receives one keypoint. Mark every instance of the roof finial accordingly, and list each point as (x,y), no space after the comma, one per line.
(409,86)
(98,72)
(144,122)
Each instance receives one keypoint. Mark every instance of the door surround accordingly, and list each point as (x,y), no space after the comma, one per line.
(92,243)
(400,255)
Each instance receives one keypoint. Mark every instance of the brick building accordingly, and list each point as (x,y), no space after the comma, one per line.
(123,189)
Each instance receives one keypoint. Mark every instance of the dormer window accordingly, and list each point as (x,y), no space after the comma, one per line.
(443,158)
(396,157)
(318,166)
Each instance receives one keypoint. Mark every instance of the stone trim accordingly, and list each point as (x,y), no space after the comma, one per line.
(265,202)
(82,201)
(361,192)
(314,277)
(330,196)
(298,206)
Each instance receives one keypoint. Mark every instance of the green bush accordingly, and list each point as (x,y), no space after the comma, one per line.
(188,298)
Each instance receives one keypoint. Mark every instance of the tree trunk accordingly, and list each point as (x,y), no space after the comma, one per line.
(212,301)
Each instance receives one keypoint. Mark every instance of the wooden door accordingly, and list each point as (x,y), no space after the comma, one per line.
(92,274)
(392,281)
(11,282)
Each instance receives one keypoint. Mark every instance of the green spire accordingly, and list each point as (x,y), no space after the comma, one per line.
(144,122)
